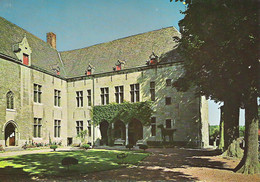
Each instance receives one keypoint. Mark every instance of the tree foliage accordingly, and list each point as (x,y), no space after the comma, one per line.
(220,48)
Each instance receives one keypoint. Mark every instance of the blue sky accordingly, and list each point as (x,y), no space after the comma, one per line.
(79,23)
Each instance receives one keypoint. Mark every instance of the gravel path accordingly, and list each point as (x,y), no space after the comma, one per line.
(24,152)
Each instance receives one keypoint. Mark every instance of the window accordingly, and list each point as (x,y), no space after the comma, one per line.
(152,90)
(37,127)
(37,91)
(10,100)
(168,123)
(79,98)
(89,128)
(153,124)
(57,128)
(134,92)
(57,98)
(25,59)
(168,100)
(88,72)
(104,96)
(119,93)
(89,97)
(79,126)
(118,67)
(168,82)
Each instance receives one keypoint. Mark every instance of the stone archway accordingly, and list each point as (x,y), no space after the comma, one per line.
(135,131)
(10,134)
(119,130)
(104,132)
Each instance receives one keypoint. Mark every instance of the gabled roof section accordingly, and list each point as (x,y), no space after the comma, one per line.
(135,50)
(43,55)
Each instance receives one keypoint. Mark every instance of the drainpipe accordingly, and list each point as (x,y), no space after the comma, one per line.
(93,104)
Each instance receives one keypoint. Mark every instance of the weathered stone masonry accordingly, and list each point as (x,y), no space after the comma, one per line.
(185,112)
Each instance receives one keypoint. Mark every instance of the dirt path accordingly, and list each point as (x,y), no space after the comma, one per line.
(177,165)
(172,164)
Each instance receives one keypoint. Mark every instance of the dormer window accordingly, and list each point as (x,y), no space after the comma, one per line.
(56,69)
(89,70)
(26,59)
(23,51)
(119,65)
(153,59)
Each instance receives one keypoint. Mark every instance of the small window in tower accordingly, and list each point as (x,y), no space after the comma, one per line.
(153,124)
(168,123)
(168,82)
(168,100)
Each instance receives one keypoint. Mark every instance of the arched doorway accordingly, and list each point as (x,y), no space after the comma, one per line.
(135,131)
(10,134)
(103,129)
(119,130)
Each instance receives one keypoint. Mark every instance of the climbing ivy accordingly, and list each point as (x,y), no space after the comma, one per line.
(125,112)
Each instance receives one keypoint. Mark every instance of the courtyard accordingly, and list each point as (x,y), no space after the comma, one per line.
(171,164)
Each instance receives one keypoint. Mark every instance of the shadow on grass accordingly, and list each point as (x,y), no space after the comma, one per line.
(10,173)
(49,164)
(159,166)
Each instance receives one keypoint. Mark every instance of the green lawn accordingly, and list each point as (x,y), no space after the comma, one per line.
(49,164)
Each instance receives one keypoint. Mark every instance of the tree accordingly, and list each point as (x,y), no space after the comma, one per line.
(82,136)
(219,47)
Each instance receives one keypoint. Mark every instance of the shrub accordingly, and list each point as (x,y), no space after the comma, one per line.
(53,147)
(1,148)
(67,161)
(75,145)
(85,146)
(143,146)
(129,146)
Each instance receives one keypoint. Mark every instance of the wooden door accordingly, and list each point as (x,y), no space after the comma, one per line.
(12,141)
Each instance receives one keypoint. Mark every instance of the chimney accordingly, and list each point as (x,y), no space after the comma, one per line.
(51,39)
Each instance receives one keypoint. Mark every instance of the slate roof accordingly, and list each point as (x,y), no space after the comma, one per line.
(43,55)
(135,50)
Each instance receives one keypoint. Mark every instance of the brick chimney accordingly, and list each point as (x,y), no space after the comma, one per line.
(51,39)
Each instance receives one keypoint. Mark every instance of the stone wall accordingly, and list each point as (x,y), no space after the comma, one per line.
(187,113)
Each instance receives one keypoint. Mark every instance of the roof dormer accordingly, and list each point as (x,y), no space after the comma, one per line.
(56,69)
(153,59)
(90,70)
(23,51)
(119,65)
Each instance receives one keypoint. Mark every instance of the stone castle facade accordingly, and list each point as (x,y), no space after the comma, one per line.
(48,95)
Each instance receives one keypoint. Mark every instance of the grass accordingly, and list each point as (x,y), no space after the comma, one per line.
(49,164)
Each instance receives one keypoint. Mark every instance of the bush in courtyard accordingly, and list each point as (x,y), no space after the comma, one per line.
(67,161)
(143,146)
(85,146)
(53,147)
(75,145)
(1,148)
(129,146)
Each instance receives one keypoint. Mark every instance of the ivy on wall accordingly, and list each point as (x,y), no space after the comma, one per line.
(125,112)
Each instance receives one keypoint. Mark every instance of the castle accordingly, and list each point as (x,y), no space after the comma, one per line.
(50,95)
